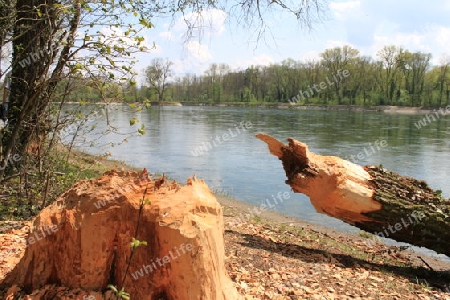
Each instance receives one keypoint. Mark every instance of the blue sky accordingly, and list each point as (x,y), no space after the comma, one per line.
(367,25)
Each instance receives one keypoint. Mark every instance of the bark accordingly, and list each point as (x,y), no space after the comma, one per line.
(370,197)
(37,67)
(83,240)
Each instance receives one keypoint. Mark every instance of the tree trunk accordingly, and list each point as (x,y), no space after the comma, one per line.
(29,41)
(83,240)
(370,198)
(37,66)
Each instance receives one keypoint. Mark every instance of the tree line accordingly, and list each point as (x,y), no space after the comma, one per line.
(395,77)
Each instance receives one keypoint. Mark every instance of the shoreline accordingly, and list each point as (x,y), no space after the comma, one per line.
(389,109)
(233,207)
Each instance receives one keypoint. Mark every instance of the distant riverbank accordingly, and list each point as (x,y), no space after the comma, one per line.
(282,105)
(380,108)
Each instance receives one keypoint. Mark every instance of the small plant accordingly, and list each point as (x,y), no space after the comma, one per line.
(365,234)
(257,219)
(119,294)
(438,193)
(219,191)
(136,243)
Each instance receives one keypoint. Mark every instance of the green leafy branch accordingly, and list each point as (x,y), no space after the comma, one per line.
(120,293)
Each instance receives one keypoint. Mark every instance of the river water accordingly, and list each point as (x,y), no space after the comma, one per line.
(239,165)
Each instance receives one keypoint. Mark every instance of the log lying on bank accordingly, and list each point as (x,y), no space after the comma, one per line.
(83,241)
(370,197)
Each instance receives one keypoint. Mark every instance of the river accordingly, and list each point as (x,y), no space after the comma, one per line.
(239,165)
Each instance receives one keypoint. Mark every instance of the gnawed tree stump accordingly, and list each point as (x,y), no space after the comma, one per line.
(370,198)
(83,240)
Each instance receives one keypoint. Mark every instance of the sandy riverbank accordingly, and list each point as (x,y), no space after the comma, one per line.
(279,257)
(234,208)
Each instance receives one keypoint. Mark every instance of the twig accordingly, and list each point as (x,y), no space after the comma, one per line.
(47,181)
(426,263)
(9,177)
(141,207)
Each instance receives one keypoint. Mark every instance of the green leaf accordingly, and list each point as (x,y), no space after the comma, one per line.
(136,243)
(113,288)
(124,295)
(142,130)
(38,12)
(145,23)
(133,121)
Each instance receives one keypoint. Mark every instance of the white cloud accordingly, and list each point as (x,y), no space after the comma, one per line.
(345,10)
(429,39)
(337,43)
(311,56)
(167,35)
(197,51)
(408,41)
(184,66)
(258,60)
(207,23)
(178,67)
(442,36)
(196,57)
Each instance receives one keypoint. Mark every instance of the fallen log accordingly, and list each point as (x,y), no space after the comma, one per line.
(369,197)
(83,240)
